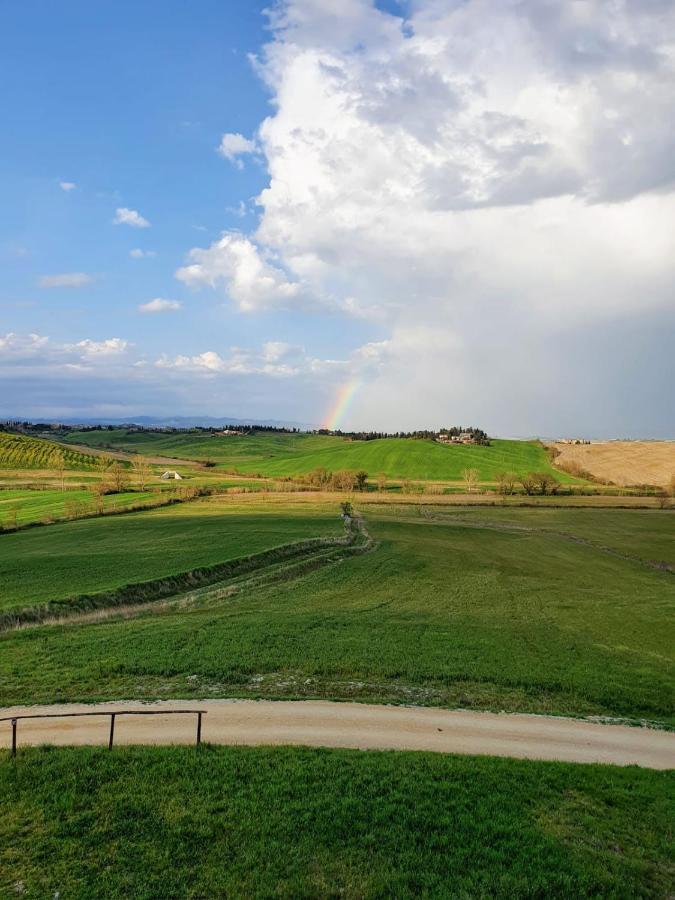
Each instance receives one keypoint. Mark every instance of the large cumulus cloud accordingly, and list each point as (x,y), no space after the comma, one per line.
(489,182)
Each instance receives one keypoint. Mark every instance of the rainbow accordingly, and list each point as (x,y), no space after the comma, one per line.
(345,395)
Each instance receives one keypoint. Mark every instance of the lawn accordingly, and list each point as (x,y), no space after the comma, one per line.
(99,554)
(276,454)
(440,613)
(282,822)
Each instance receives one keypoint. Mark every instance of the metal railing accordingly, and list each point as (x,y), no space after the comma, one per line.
(113,715)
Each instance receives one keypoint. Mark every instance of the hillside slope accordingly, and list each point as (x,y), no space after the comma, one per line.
(622,462)
(20,452)
(277,454)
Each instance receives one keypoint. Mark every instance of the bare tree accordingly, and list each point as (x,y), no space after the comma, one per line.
(60,467)
(544,483)
(141,467)
(470,478)
(97,493)
(119,476)
(529,484)
(343,481)
(361,480)
(506,482)
(382,483)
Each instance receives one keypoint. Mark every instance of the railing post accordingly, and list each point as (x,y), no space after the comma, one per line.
(13,737)
(112,731)
(199,728)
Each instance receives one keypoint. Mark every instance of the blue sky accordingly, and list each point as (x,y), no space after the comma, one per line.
(431,201)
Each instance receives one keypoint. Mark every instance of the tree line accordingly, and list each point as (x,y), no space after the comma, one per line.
(424,434)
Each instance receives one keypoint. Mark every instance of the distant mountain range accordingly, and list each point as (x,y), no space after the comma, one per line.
(166,421)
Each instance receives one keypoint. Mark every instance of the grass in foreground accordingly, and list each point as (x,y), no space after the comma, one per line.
(440,614)
(235,822)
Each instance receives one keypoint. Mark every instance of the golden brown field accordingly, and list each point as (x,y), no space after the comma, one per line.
(622,462)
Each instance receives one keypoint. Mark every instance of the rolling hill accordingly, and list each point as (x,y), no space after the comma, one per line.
(622,462)
(278,454)
(18,451)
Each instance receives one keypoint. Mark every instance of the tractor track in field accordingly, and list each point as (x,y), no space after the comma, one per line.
(361,726)
(279,564)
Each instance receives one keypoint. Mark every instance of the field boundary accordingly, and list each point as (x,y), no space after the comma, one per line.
(357,540)
(164,498)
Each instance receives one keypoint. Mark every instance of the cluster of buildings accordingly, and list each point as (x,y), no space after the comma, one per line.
(464,437)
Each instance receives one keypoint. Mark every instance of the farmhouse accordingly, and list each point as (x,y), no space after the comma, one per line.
(169,475)
(226,432)
(464,437)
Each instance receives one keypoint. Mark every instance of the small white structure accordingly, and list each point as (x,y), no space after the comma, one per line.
(169,475)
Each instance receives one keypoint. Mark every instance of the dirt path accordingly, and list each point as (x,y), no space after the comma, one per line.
(361,726)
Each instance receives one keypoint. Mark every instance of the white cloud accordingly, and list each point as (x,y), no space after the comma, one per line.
(124,216)
(253,282)
(276,359)
(21,345)
(273,351)
(67,186)
(479,180)
(66,279)
(137,253)
(232,146)
(109,347)
(158,305)
(38,350)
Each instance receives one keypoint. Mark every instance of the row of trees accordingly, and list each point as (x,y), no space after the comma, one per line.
(425,434)
(531,483)
(336,481)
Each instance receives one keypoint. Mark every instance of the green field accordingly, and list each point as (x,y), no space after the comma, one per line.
(243,822)
(39,506)
(20,452)
(275,454)
(98,554)
(647,534)
(556,611)
(442,612)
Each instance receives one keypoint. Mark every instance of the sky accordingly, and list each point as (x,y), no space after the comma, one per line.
(384,215)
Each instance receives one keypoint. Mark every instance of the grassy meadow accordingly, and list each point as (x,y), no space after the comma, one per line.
(282,822)
(542,615)
(544,610)
(40,506)
(100,554)
(278,455)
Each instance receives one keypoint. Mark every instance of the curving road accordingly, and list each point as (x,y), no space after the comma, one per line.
(357,725)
